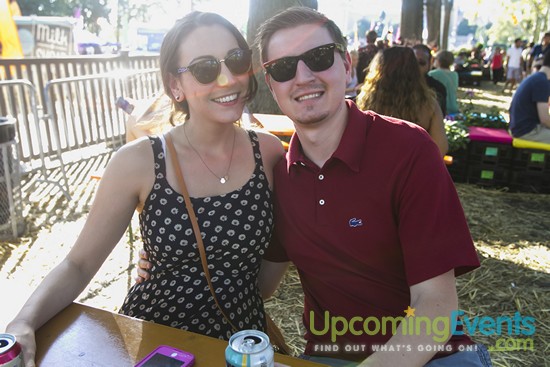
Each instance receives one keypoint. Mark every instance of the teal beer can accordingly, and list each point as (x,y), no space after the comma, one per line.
(249,348)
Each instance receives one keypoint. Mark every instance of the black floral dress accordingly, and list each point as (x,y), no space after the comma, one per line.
(236,228)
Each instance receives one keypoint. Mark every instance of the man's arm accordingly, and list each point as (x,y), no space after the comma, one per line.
(544,114)
(271,273)
(435,297)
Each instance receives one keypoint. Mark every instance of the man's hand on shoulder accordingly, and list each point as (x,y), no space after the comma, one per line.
(143,266)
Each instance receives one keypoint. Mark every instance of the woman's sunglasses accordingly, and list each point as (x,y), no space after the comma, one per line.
(317,59)
(208,69)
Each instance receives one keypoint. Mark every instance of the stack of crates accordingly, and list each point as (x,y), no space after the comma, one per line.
(490,157)
(531,166)
(458,166)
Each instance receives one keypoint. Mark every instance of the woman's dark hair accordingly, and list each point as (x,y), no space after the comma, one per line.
(546,60)
(169,51)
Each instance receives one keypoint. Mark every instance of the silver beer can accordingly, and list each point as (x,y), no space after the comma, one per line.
(10,351)
(250,348)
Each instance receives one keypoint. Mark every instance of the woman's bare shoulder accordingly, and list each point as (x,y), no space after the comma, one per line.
(270,144)
(135,155)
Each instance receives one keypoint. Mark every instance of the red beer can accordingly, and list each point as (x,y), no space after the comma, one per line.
(10,351)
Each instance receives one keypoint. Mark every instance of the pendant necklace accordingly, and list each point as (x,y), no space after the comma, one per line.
(225,177)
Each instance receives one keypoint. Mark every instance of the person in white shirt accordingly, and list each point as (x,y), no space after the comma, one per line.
(514,65)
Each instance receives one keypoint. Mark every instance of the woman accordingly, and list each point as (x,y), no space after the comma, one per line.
(206,70)
(497,65)
(394,86)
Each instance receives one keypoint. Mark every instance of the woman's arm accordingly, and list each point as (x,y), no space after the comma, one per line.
(437,129)
(118,193)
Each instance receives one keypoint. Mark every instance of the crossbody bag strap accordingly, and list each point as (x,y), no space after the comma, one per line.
(194,223)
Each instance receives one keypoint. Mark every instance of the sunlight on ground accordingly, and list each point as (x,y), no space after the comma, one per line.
(530,255)
(485,99)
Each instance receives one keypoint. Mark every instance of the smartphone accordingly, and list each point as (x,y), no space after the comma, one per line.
(166,356)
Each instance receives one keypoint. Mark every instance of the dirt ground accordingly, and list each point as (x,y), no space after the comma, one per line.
(511,233)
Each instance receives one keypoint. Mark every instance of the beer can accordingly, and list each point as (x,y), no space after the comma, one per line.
(10,351)
(249,348)
(124,105)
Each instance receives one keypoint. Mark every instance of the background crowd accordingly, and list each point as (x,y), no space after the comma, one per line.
(444,71)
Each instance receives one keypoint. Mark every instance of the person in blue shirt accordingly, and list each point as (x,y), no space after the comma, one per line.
(529,115)
(539,50)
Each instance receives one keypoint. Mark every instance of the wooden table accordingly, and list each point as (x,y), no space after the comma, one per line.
(278,125)
(85,336)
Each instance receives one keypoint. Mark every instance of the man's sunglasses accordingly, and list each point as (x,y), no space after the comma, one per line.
(317,59)
(208,69)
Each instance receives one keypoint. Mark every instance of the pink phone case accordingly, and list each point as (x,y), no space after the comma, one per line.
(166,356)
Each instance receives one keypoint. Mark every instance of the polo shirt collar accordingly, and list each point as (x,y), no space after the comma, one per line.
(351,147)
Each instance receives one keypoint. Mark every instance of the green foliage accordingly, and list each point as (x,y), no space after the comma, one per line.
(456,127)
(492,120)
(523,19)
(457,135)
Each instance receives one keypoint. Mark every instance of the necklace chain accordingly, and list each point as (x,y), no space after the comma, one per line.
(225,177)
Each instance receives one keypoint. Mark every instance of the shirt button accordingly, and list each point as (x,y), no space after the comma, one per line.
(321,177)
(321,202)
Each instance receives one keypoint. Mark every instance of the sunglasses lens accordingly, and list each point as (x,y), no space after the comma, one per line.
(205,71)
(320,58)
(239,61)
(283,69)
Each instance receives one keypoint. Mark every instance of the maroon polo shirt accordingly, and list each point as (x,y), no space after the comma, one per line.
(381,215)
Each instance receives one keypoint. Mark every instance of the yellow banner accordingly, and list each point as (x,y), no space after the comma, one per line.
(9,38)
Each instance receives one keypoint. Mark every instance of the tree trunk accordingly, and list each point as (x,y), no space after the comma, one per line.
(259,11)
(433,18)
(411,21)
(448,4)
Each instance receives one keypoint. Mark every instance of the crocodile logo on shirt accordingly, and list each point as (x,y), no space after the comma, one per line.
(354,222)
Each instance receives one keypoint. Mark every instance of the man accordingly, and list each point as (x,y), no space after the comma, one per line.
(538,51)
(449,78)
(366,54)
(424,56)
(364,208)
(529,117)
(514,65)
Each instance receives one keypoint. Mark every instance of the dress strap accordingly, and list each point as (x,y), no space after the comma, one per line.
(256,148)
(159,153)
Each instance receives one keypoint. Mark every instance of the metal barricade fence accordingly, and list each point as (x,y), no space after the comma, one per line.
(79,116)
(83,112)
(142,84)
(83,109)
(35,148)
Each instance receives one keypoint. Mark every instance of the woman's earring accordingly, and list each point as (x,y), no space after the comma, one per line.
(177,98)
